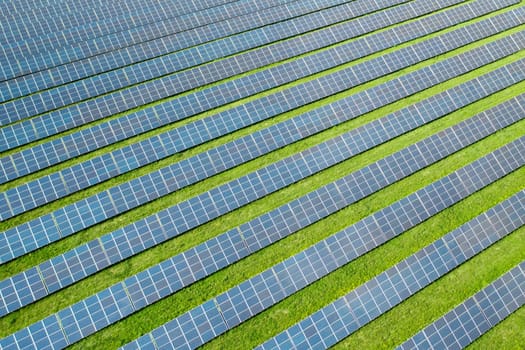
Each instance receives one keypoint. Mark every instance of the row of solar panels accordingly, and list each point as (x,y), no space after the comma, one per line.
(34,234)
(229,309)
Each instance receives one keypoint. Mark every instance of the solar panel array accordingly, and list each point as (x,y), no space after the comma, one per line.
(84,260)
(347,314)
(205,207)
(233,307)
(479,313)
(99,91)
(51,182)
(31,194)
(55,187)
(67,221)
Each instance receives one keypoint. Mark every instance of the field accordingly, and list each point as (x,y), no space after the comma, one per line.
(388,330)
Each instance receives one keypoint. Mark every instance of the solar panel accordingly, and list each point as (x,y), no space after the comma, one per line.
(53,152)
(347,314)
(260,292)
(479,313)
(243,82)
(45,229)
(91,169)
(66,269)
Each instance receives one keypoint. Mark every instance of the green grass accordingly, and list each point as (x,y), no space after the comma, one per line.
(388,330)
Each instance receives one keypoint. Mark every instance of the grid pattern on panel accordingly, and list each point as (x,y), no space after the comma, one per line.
(151,17)
(92,47)
(182,270)
(43,102)
(119,101)
(190,135)
(93,170)
(262,291)
(150,49)
(476,315)
(44,230)
(347,314)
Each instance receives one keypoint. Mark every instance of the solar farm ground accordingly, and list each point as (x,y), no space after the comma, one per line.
(386,331)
